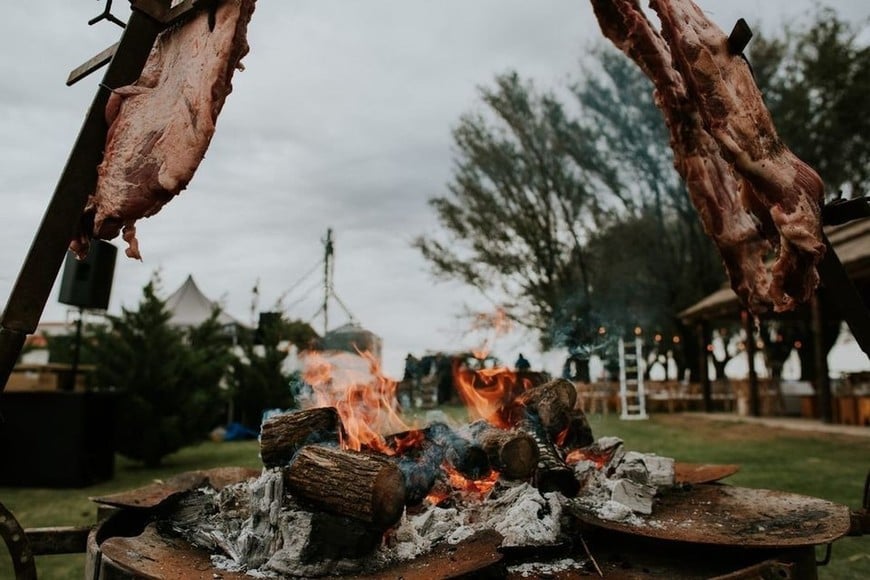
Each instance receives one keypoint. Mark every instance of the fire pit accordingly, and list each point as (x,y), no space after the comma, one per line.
(523,490)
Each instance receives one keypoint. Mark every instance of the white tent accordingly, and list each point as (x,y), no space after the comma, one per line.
(190,307)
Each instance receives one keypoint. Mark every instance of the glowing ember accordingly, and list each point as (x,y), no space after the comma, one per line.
(364,398)
(479,487)
(578,455)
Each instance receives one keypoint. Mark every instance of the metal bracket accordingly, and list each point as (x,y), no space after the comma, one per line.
(18,545)
(168,11)
(107,15)
(740,36)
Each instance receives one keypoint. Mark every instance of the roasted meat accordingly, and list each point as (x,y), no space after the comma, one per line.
(753,195)
(161,126)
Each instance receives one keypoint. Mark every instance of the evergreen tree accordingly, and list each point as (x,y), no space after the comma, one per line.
(168,379)
(259,379)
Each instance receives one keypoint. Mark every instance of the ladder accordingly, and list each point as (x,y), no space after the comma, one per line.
(632,396)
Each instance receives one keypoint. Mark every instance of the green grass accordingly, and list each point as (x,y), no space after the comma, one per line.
(36,508)
(826,466)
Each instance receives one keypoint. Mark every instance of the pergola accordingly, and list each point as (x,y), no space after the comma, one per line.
(850,243)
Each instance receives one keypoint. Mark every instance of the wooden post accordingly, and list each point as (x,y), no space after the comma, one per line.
(704,375)
(822,382)
(749,329)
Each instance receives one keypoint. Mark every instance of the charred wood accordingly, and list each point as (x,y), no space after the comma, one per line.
(552,474)
(465,456)
(283,435)
(366,487)
(513,453)
(552,402)
(578,432)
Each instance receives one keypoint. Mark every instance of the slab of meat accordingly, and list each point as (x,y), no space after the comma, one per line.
(161,126)
(753,195)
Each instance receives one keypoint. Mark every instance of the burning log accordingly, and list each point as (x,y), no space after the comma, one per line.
(283,435)
(552,402)
(577,434)
(513,453)
(552,474)
(366,487)
(468,458)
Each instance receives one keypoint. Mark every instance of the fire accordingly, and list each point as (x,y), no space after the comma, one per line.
(364,398)
(489,393)
(409,440)
(477,488)
(578,455)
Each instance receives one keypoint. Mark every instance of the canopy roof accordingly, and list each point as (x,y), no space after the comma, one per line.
(851,242)
(190,307)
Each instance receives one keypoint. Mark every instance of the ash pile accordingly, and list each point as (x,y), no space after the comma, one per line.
(323,508)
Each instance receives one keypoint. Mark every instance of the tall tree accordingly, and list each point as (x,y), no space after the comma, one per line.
(816,81)
(541,204)
(522,198)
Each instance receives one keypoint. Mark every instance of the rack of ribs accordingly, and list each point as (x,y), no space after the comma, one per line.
(755,198)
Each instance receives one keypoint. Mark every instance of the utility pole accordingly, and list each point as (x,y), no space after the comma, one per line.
(327,278)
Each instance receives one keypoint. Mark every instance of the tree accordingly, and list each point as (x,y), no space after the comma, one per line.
(519,208)
(816,81)
(168,378)
(541,203)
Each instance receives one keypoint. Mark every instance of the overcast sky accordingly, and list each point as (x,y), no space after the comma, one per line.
(341,119)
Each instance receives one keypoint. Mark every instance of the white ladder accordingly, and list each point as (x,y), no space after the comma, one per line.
(632,395)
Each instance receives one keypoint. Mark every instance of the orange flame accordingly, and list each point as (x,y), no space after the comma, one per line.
(456,482)
(477,487)
(578,455)
(496,323)
(490,394)
(364,398)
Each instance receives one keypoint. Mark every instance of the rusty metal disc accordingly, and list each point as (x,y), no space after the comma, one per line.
(150,555)
(696,473)
(153,556)
(739,516)
(154,494)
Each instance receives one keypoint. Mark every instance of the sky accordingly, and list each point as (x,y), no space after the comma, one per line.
(341,119)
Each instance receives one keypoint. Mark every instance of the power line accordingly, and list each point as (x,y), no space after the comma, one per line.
(300,280)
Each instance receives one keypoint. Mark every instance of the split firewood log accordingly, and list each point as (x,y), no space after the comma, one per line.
(552,402)
(512,453)
(283,435)
(552,473)
(363,486)
(577,434)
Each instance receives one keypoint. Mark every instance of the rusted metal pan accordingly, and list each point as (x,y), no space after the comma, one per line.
(697,473)
(151,555)
(736,516)
(152,495)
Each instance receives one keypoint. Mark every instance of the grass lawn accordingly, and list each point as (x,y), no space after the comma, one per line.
(826,466)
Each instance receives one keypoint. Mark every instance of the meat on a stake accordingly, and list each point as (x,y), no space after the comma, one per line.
(161,126)
(751,192)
